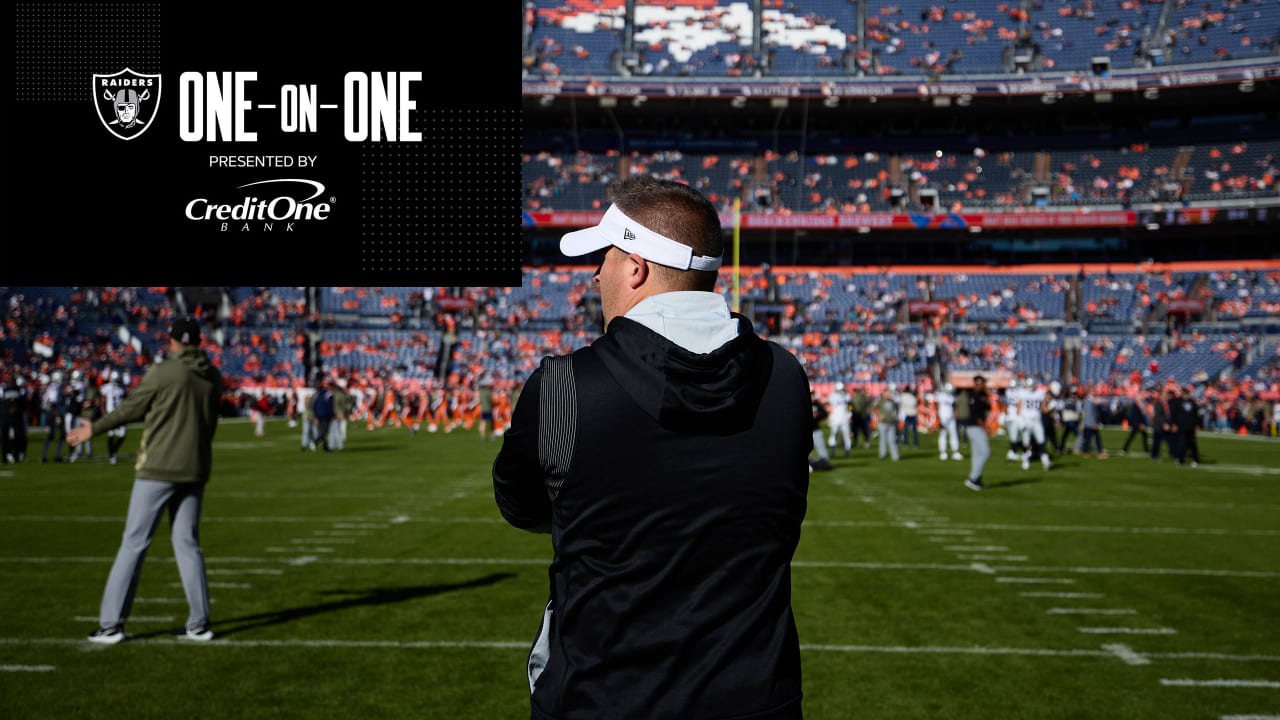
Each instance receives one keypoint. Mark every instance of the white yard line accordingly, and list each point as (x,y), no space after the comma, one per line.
(27,668)
(132,618)
(966,567)
(340,524)
(1090,611)
(1220,682)
(1060,594)
(1127,631)
(1126,654)
(1107,651)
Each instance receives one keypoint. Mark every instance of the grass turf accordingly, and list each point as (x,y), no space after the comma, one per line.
(380,582)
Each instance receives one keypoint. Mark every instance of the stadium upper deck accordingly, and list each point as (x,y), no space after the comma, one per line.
(833,38)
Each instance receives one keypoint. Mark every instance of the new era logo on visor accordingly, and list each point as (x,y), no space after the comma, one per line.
(628,235)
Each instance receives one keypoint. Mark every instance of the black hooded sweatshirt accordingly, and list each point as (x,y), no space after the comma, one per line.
(674,520)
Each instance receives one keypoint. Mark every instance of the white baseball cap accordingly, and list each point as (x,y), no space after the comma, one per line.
(616,228)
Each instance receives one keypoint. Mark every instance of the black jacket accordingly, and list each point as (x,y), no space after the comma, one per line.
(673,525)
(1135,415)
(1184,414)
(979,407)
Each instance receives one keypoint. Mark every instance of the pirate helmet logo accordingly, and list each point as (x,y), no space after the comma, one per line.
(126,101)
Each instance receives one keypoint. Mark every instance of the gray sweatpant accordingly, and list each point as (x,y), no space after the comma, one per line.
(979,450)
(888,439)
(148,500)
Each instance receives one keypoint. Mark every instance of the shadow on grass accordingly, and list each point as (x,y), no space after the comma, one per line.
(1012,483)
(375,596)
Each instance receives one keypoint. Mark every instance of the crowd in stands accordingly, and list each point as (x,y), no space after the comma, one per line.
(586,38)
(869,181)
(855,327)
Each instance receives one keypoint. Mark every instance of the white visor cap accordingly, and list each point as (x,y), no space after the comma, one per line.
(616,228)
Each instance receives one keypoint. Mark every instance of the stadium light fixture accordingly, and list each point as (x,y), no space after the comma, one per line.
(546,100)
(964,100)
(608,101)
(941,101)
(1245,86)
(639,100)
(1102,97)
(831,102)
(1153,226)
(738,102)
(1151,93)
(779,103)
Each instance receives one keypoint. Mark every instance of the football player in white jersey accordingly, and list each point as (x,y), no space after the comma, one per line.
(948,435)
(112,394)
(1011,418)
(1033,403)
(839,421)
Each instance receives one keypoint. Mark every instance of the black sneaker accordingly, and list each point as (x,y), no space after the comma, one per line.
(107,635)
(972,484)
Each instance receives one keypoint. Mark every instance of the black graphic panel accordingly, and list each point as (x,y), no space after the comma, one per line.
(262,143)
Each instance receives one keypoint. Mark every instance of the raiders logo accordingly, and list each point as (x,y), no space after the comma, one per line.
(126,101)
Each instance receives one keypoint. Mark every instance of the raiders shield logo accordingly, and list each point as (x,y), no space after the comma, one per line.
(127,102)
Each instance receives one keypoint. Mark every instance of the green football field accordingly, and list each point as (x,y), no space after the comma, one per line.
(381,582)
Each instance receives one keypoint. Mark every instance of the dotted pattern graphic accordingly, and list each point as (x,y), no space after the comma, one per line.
(60,46)
(449,203)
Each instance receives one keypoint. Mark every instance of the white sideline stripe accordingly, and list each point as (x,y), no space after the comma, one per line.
(524,645)
(952,529)
(798,564)
(339,522)
(1060,594)
(983,568)
(1249,717)
(1249,469)
(27,668)
(982,556)
(1126,654)
(132,618)
(1220,682)
(878,566)
(343,533)
(1154,571)
(1127,631)
(1090,611)
(298,549)
(969,529)
(243,571)
(338,541)
(975,548)
(222,585)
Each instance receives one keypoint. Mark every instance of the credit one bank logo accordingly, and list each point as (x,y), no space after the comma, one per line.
(278,205)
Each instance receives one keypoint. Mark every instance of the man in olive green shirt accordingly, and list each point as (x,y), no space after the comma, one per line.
(342,406)
(177,401)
